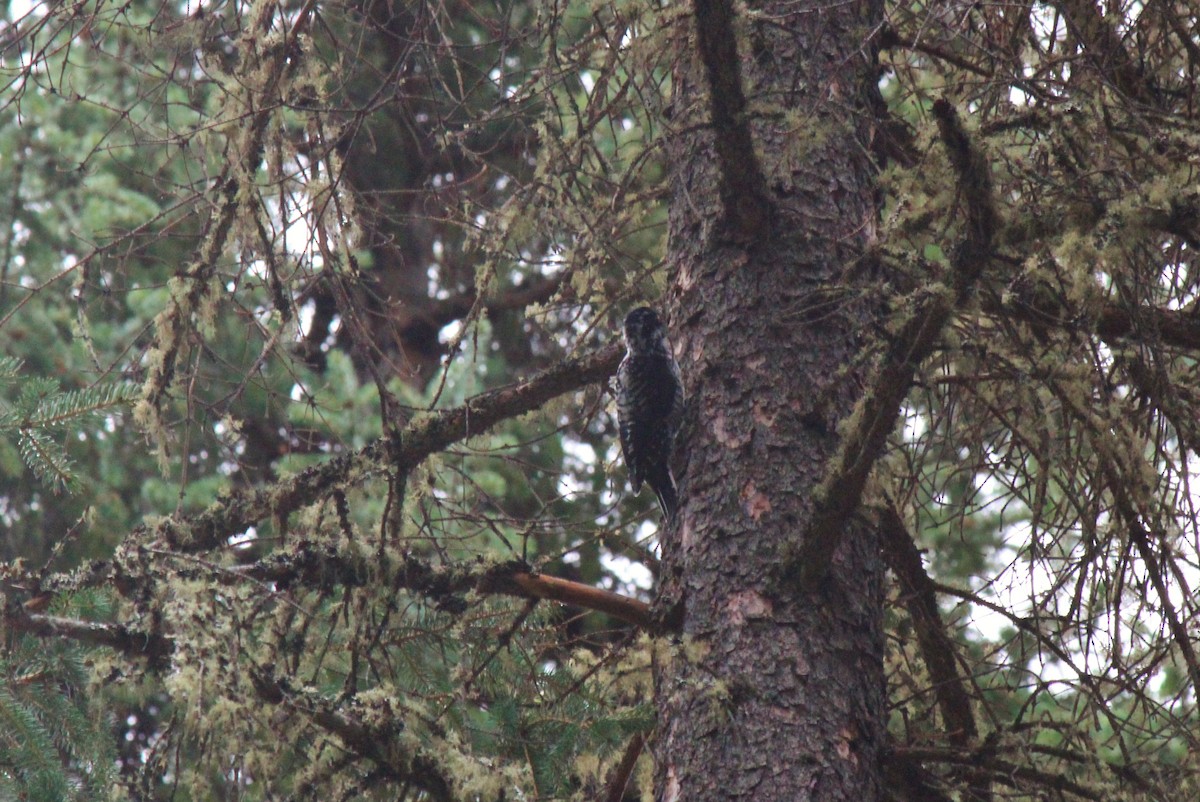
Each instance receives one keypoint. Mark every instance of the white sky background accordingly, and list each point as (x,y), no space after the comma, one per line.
(19,8)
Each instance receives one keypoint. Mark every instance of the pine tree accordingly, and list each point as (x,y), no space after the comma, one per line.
(309,485)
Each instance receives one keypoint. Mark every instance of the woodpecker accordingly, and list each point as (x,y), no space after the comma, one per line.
(649,406)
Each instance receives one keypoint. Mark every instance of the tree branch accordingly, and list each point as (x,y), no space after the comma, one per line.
(377,741)
(1126,506)
(891,39)
(1100,699)
(907,780)
(534,291)
(424,436)
(540,586)
(322,567)
(1000,770)
(920,600)
(155,648)
(237,172)
(1102,46)
(1154,567)
(747,204)
(1140,210)
(1172,327)
(875,415)
(1180,633)
(325,568)
(618,781)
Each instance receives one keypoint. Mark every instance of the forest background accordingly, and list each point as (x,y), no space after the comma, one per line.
(309,486)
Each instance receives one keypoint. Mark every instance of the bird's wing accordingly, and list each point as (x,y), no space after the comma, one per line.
(625,423)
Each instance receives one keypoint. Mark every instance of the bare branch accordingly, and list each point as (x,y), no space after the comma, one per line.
(540,586)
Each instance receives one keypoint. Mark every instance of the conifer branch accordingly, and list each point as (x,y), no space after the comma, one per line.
(513,580)
(747,203)
(43,410)
(423,437)
(156,649)
(45,457)
(875,415)
(382,740)
(920,600)
(618,781)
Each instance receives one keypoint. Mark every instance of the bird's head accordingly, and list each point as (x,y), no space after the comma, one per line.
(644,330)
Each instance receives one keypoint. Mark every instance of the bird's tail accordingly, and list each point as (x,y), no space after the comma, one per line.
(668,497)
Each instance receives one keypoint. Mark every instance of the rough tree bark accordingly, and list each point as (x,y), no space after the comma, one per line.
(774,692)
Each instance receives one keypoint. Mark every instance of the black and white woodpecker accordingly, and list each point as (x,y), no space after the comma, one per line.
(649,406)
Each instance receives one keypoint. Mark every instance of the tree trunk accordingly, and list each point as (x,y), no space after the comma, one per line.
(774,693)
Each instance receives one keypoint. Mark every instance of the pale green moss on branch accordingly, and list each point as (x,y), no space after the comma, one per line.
(874,417)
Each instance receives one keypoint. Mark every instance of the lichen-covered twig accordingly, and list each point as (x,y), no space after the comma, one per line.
(422,437)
